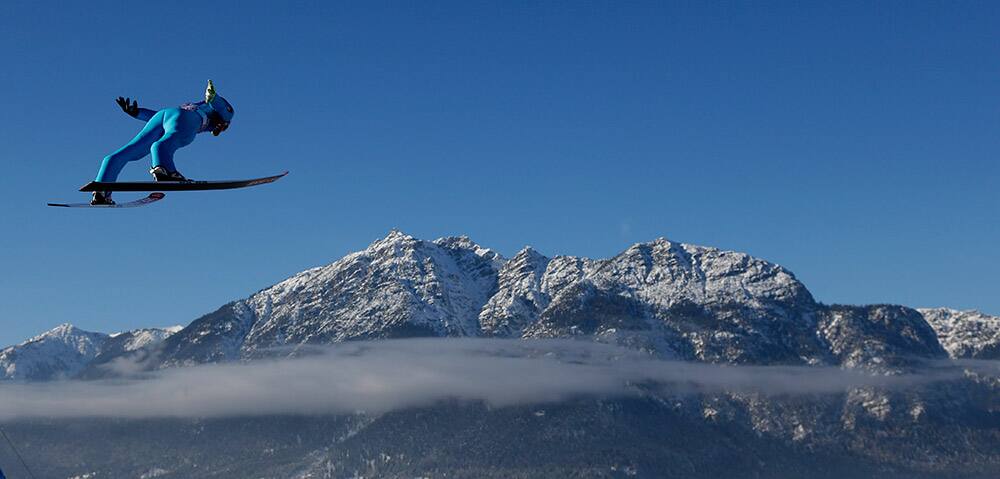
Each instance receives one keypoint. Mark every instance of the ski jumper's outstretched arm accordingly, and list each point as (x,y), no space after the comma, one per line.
(131,108)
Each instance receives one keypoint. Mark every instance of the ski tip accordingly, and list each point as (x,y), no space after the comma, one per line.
(62,205)
(157,195)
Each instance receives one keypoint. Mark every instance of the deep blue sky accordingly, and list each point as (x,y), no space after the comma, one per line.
(855,143)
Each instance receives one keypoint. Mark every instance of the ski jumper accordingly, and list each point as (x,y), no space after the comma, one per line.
(168,130)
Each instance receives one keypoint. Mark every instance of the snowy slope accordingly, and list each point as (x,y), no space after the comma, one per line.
(965,334)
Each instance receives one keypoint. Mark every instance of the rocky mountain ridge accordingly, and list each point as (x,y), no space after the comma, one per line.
(670,299)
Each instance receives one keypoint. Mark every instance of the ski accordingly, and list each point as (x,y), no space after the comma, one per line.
(178,185)
(152,198)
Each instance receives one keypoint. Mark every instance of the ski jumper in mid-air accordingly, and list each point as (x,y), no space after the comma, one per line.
(165,131)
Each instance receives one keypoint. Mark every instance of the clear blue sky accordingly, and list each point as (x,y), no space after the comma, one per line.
(855,143)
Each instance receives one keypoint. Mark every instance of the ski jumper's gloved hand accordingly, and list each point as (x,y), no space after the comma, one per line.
(131,109)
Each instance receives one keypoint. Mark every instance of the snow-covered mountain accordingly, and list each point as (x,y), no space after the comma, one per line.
(65,351)
(60,352)
(672,299)
(667,298)
(397,287)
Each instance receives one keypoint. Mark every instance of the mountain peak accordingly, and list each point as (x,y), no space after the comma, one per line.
(396,234)
(62,329)
(62,332)
(528,253)
(463,242)
(395,237)
(662,246)
(60,351)
(662,240)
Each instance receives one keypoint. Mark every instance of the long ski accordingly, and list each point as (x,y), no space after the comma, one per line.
(178,185)
(152,198)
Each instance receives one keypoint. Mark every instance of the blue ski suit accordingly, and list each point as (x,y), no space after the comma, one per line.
(166,131)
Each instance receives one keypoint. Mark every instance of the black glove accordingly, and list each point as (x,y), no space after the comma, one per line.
(131,109)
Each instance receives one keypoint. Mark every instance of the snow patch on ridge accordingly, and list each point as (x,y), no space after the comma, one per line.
(965,334)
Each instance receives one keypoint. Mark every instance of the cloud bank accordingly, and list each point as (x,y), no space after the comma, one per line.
(382,376)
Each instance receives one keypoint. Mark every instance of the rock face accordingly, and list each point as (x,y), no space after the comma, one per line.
(966,334)
(519,298)
(882,337)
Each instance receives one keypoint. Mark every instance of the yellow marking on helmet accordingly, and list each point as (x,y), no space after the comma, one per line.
(209,92)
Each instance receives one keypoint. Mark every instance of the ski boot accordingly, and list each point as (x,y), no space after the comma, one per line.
(102,198)
(161,174)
